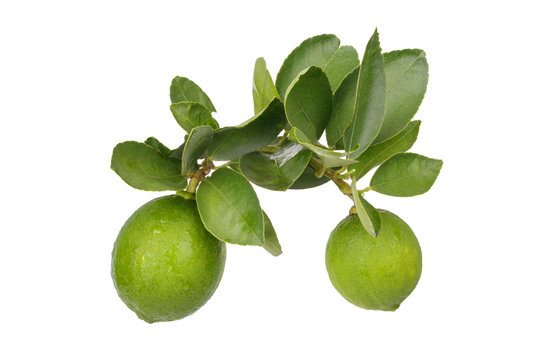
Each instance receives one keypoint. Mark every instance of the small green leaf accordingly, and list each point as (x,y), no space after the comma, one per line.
(406,83)
(317,51)
(308,180)
(379,153)
(406,174)
(230,209)
(329,158)
(359,103)
(271,242)
(264,89)
(196,145)
(156,144)
(191,114)
(183,89)
(368,215)
(277,171)
(230,143)
(308,102)
(344,60)
(145,168)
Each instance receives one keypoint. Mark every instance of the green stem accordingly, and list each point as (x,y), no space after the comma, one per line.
(193,183)
(283,138)
(342,185)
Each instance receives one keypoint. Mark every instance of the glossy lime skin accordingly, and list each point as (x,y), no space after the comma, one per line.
(165,264)
(374,273)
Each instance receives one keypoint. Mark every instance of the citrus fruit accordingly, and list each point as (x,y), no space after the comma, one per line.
(374,273)
(165,264)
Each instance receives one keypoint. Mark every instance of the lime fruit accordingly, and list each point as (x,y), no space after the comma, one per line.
(165,264)
(374,273)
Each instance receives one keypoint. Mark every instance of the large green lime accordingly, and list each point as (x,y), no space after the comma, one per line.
(374,273)
(165,264)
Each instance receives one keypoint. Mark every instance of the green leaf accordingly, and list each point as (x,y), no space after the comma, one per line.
(277,171)
(308,180)
(264,89)
(406,83)
(183,89)
(379,153)
(177,153)
(196,145)
(271,242)
(308,102)
(368,215)
(406,174)
(329,158)
(230,143)
(230,209)
(316,51)
(359,103)
(344,60)
(156,144)
(191,114)
(145,168)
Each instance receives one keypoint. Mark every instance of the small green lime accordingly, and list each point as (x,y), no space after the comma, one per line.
(374,273)
(165,264)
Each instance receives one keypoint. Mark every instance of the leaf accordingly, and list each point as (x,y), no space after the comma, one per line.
(316,51)
(379,153)
(177,153)
(230,143)
(344,60)
(156,144)
(145,168)
(406,83)
(406,174)
(308,102)
(191,114)
(308,180)
(230,209)
(264,89)
(196,145)
(277,171)
(329,158)
(183,89)
(368,215)
(271,242)
(359,103)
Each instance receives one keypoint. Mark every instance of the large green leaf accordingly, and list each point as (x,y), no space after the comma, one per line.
(183,89)
(329,158)
(264,89)
(316,51)
(406,174)
(145,168)
(308,180)
(156,144)
(196,146)
(190,114)
(359,103)
(308,102)
(406,83)
(277,171)
(368,215)
(379,153)
(230,143)
(271,242)
(230,209)
(344,60)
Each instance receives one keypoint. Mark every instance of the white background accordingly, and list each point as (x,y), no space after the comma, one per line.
(78,77)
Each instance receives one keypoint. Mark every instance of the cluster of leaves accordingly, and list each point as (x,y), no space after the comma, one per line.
(364,109)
